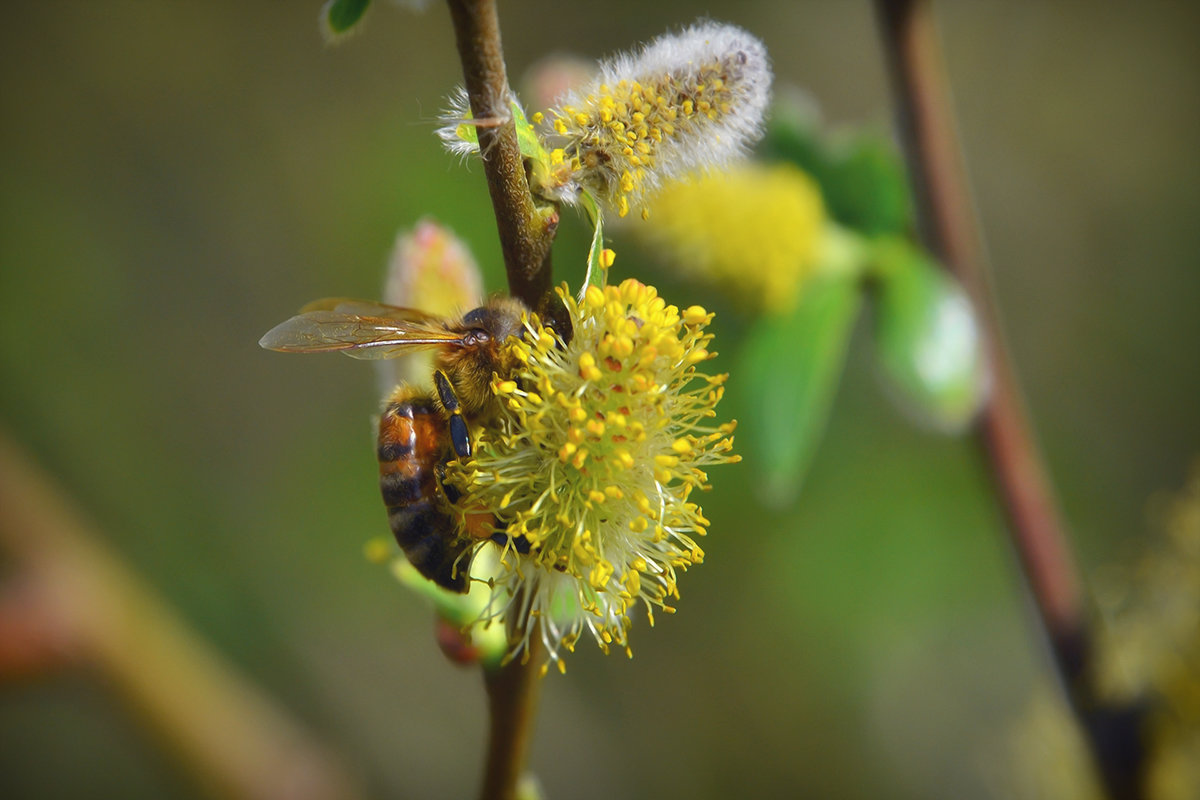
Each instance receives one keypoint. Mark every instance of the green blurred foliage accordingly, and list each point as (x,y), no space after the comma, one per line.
(181,177)
(791,366)
(927,338)
(861,174)
(341,16)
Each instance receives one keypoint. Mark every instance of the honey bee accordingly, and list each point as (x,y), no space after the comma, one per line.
(421,430)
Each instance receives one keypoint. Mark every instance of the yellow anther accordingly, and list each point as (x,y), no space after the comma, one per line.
(695,315)
(622,346)
(601,574)
(587,367)
(594,297)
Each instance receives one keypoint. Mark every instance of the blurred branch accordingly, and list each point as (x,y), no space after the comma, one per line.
(512,691)
(1038,535)
(525,232)
(230,737)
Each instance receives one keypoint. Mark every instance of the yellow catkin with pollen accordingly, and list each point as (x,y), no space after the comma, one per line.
(687,101)
(756,231)
(598,480)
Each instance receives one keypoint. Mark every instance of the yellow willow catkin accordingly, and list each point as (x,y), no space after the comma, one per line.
(688,101)
(755,231)
(595,464)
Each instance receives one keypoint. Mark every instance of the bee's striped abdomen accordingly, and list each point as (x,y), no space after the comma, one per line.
(412,446)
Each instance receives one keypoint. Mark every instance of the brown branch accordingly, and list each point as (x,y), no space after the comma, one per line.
(526,232)
(232,739)
(1038,534)
(512,692)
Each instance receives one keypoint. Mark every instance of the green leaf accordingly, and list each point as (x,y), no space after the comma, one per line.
(861,175)
(927,338)
(597,271)
(528,141)
(867,188)
(794,134)
(468,134)
(340,16)
(791,366)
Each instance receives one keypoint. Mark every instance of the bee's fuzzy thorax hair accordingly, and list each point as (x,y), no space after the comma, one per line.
(471,369)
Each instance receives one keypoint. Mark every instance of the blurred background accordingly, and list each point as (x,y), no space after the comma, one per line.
(177,178)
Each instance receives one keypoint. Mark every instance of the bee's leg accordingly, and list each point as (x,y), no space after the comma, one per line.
(460,437)
(555,315)
(519,543)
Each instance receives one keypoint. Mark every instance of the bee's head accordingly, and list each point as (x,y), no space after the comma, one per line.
(494,322)
(482,353)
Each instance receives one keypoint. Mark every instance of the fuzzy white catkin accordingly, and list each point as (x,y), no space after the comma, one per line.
(686,102)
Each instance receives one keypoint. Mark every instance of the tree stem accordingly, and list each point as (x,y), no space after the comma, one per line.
(526,232)
(1037,532)
(512,692)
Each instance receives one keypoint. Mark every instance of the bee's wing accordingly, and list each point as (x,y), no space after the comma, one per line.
(359,335)
(369,308)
